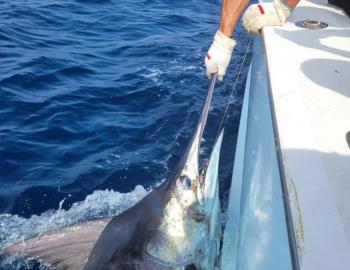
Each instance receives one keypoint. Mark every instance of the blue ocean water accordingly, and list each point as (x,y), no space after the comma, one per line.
(98,98)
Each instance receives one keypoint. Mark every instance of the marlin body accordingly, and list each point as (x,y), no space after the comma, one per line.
(176,226)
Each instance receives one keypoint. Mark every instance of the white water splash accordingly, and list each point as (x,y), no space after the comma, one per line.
(101,203)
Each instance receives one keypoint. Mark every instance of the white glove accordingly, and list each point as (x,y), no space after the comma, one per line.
(219,55)
(265,14)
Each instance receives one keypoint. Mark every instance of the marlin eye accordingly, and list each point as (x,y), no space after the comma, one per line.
(186,181)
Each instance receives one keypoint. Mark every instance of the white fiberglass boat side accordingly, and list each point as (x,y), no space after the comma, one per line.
(289,202)
(309,74)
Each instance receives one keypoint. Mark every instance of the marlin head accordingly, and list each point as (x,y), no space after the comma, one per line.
(189,232)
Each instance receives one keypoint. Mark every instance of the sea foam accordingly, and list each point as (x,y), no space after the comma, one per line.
(101,203)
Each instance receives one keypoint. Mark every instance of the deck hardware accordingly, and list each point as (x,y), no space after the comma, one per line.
(311,24)
(347,136)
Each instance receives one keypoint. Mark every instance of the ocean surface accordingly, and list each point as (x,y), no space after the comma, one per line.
(98,100)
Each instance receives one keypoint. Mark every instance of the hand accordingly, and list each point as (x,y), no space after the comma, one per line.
(265,14)
(219,55)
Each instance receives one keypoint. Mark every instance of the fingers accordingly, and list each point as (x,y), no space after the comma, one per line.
(265,14)
(253,20)
(219,55)
(221,73)
(210,66)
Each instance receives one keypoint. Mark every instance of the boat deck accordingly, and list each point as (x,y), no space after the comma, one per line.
(289,205)
(309,76)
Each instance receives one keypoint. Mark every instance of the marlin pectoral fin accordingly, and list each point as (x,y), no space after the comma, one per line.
(67,248)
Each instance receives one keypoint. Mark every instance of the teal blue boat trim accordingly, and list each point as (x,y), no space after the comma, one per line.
(232,228)
(256,233)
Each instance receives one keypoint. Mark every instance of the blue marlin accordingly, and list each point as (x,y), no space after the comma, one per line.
(175,227)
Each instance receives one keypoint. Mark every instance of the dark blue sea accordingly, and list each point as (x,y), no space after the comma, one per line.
(98,100)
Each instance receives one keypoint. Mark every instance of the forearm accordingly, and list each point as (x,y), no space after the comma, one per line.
(291,3)
(230,13)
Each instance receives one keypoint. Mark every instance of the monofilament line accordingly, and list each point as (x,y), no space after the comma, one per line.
(233,88)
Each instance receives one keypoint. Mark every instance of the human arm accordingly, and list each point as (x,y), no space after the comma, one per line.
(292,3)
(230,13)
(219,53)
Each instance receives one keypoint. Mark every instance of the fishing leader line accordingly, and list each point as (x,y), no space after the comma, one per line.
(233,89)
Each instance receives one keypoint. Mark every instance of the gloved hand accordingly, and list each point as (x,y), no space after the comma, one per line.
(265,14)
(219,55)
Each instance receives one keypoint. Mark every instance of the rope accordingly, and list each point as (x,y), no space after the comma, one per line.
(233,89)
